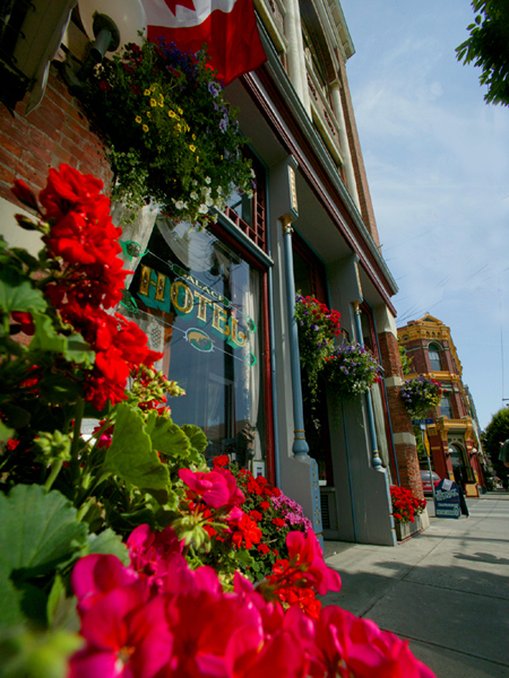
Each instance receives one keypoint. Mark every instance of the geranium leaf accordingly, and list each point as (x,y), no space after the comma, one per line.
(131,455)
(56,596)
(5,432)
(20,295)
(74,348)
(39,529)
(11,613)
(108,542)
(167,437)
(197,437)
(35,654)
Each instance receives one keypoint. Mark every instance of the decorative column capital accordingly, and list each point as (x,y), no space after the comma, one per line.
(286,223)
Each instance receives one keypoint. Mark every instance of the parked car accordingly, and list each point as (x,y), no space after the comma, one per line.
(426,481)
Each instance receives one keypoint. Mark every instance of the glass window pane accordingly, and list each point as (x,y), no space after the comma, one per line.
(445,406)
(206,299)
(434,359)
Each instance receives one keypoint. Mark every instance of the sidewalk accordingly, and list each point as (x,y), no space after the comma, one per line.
(446,590)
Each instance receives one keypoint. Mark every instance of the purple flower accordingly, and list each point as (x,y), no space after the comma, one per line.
(214,88)
(223,123)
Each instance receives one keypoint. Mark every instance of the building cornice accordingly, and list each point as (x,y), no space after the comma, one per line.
(273,93)
(427,330)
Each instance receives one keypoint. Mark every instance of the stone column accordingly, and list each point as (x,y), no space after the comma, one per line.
(343,140)
(295,53)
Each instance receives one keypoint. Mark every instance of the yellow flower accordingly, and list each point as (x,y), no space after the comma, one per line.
(172,114)
(193,137)
(144,128)
(147,93)
(180,111)
(138,119)
(153,102)
(192,148)
(149,114)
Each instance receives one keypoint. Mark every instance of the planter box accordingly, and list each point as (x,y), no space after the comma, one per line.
(405,531)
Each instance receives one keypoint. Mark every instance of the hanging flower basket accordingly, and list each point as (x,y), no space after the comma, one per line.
(420,395)
(351,370)
(318,328)
(171,135)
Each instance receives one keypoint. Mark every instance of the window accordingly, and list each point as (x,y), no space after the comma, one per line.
(434,358)
(445,406)
(204,301)
(249,213)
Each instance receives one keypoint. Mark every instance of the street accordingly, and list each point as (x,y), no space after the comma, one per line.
(446,590)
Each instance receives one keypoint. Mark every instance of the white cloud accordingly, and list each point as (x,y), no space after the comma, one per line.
(438,166)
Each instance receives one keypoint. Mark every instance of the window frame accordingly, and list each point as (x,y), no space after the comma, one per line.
(435,348)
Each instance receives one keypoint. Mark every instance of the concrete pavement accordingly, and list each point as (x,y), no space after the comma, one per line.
(446,590)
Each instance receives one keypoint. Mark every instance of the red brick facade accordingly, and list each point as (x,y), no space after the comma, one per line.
(407,461)
(55,132)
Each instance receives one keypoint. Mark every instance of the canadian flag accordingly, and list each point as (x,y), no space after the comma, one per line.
(226,27)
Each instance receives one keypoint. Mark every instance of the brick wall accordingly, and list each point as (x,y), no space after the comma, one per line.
(361,179)
(405,450)
(57,131)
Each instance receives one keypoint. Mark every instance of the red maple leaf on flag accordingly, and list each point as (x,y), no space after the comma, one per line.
(172,5)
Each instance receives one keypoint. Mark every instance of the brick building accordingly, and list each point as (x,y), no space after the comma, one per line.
(453,436)
(317,235)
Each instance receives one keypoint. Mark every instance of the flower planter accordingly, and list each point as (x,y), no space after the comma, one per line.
(405,531)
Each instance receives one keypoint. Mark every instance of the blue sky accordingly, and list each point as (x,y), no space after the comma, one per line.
(437,160)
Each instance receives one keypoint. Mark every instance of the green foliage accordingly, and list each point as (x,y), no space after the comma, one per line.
(172,136)
(47,358)
(131,455)
(40,535)
(493,436)
(318,328)
(406,361)
(351,369)
(64,495)
(36,654)
(420,396)
(487,47)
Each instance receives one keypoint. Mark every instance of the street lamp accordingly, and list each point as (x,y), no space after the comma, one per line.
(109,24)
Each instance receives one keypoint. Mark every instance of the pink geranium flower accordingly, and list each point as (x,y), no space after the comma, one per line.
(154,553)
(351,645)
(217,488)
(125,630)
(96,575)
(126,635)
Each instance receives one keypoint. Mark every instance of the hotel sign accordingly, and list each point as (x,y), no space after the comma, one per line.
(188,297)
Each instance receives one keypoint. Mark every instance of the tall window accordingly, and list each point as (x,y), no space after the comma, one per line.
(434,358)
(445,406)
(204,302)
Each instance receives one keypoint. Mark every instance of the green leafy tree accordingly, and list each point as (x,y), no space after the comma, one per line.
(488,48)
(494,435)
(406,360)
